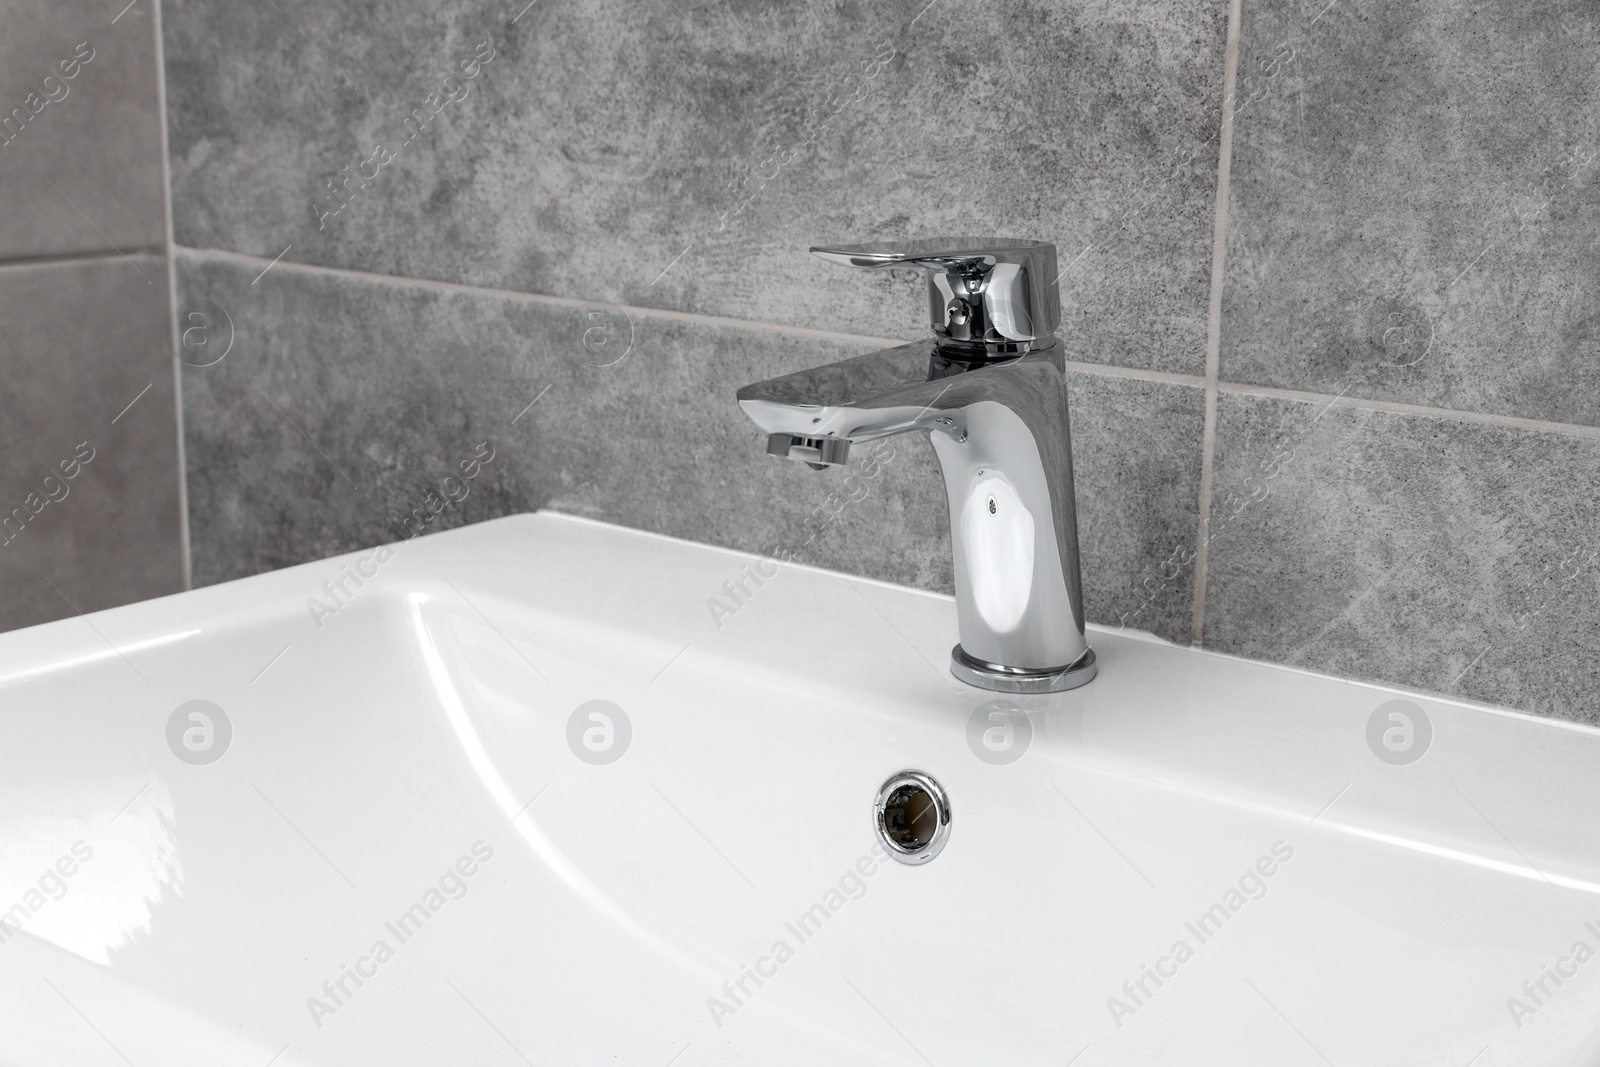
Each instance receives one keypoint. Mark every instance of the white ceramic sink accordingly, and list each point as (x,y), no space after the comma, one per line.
(422,733)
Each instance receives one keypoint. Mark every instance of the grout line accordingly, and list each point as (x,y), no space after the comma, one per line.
(1219,255)
(544,299)
(77,257)
(1111,370)
(184,551)
(1105,370)
(96,229)
(1482,418)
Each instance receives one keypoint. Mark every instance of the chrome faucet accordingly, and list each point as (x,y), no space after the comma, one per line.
(990,387)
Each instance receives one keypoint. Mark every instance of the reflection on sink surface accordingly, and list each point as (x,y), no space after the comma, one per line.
(520,797)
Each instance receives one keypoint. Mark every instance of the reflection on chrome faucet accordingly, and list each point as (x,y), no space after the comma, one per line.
(990,388)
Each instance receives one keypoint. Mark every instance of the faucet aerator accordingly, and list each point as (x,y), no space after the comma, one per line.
(818,453)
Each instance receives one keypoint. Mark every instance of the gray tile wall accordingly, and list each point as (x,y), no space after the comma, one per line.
(1359,436)
(86,354)
(1411,229)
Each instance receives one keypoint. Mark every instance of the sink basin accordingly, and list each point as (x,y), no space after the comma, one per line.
(515,794)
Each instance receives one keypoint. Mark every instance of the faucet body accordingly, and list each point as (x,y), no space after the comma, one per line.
(995,406)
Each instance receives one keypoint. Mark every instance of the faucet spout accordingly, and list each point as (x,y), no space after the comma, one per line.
(998,424)
(886,392)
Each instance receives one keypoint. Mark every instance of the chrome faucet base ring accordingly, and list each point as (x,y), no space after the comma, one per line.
(1000,679)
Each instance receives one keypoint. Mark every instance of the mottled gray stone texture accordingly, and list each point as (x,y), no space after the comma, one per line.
(344,401)
(1136,458)
(82,340)
(1414,201)
(1448,556)
(685,157)
(79,109)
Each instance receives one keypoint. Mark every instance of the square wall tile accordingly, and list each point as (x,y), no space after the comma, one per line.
(80,128)
(1415,195)
(686,158)
(90,511)
(1449,556)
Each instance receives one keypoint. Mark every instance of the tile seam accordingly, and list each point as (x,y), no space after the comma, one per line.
(53,259)
(169,254)
(1393,407)
(1112,370)
(1109,370)
(545,299)
(1219,252)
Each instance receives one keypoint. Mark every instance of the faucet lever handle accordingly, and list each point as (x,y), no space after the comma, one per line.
(998,292)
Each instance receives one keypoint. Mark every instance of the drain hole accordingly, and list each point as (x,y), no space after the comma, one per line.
(909,819)
(912,816)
